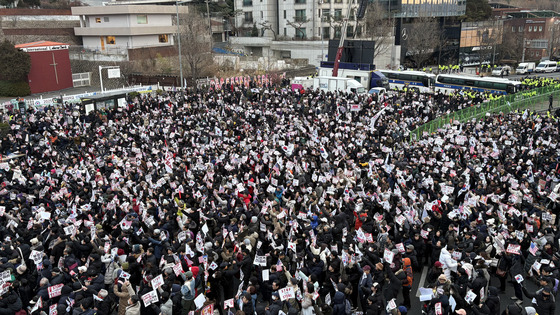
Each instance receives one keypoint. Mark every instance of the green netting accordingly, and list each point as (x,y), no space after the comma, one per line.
(530,99)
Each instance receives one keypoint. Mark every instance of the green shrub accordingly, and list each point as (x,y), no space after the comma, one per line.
(14,88)
(132,95)
(4,129)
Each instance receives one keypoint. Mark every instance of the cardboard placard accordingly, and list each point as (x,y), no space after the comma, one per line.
(286,293)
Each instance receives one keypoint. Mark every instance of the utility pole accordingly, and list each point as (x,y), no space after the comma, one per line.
(179,48)
(209,20)
(523,56)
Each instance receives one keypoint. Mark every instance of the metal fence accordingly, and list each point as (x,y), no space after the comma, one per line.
(533,100)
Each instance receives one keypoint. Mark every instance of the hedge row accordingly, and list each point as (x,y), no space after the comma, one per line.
(14,88)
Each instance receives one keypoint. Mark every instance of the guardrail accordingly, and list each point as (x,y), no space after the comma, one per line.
(75,98)
(527,99)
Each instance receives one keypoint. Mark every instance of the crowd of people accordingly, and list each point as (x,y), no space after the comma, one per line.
(275,202)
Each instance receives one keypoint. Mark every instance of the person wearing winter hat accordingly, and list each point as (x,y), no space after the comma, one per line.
(188,294)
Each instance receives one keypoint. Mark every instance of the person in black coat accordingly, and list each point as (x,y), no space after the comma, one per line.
(493,300)
(393,286)
(247,303)
(545,302)
(276,306)
(10,303)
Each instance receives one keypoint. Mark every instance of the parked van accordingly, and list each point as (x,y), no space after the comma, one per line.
(546,66)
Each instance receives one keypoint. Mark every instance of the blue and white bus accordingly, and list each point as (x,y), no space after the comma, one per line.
(422,81)
(448,83)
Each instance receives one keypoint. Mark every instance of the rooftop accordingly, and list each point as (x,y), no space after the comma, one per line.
(533,14)
(41,43)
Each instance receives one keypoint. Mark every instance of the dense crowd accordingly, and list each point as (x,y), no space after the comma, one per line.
(274,202)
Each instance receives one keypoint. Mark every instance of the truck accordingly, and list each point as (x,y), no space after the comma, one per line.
(333,84)
(525,68)
(299,83)
(366,74)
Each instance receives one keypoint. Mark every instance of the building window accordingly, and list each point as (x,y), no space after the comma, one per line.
(300,16)
(284,14)
(513,29)
(285,32)
(97,20)
(300,1)
(338,14)
(540,28)
(530,28)
(163,38)
(105,19)
(337,1)
(326,15)
(325,1)
(326,32)
(520,29)
(142,19)
(301,33)
(349,31)
(110,40)
(247,3)
(262,15)
(248,17)
(337,32)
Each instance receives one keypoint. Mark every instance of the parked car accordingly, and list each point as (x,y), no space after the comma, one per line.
(501,71)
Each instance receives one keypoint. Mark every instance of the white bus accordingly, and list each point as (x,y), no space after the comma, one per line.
(448,83)
(422,81)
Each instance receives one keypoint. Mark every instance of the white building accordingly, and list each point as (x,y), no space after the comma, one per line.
(295,19)
(126,26)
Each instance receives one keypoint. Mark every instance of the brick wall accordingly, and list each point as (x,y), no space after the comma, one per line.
(40,31)
(48,27)
(35,12)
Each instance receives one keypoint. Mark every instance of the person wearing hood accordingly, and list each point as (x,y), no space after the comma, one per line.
(449,264)
(493,300)
(339,301)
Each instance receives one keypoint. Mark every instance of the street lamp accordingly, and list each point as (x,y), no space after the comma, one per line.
(179,47)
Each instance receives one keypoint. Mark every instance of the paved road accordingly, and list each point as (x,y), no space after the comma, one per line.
(505,298)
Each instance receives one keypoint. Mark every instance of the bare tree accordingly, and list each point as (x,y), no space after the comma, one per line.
(266,25)
(297,24)
(196,45)
(379,28)
(511,47)
(422,36)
